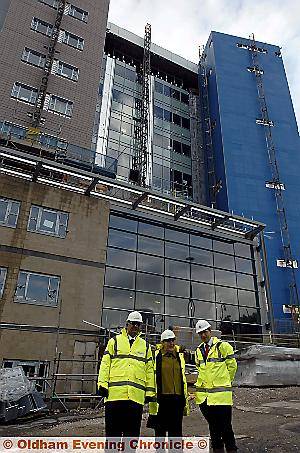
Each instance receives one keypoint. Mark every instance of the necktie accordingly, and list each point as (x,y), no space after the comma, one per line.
(206,349)
(131,341)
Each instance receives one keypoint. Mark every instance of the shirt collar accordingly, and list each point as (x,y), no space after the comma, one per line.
(210,342)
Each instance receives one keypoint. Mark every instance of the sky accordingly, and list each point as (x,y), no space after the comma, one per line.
(181,26)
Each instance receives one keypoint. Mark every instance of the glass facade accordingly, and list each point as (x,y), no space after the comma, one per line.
(169,138)
(175,277)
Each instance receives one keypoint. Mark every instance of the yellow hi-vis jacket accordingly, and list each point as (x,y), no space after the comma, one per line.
(216,374)
(153,406)
(127,372)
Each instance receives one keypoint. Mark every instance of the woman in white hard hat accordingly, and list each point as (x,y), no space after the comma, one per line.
(171,388)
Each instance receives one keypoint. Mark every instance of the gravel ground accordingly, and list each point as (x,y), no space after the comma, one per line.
(264,419)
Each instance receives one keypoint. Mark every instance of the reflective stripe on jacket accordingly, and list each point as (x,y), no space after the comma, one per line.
(153,406)
(127,372)
(216,374)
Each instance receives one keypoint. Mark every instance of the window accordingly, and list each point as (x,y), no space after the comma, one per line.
(73,40)
(13,129)
(122,239)
(37,289)
(159,88)
(52,3)
(176,119)
(78,13)
(67,70)
(24,93)
(167,90)
(51,141)
(177,147)
(9,212)
(48,221)
(167,116)
(41,27)
(175,94)
(61,106)
(186,123)
(185,98)
(158,112)
(186,150)
(3,272)
(34,58)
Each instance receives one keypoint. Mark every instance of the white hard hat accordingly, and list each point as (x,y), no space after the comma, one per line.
(135,316)
(167,335)
(202,325)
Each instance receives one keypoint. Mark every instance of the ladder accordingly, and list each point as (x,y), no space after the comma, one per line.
(41,96)
(278,186)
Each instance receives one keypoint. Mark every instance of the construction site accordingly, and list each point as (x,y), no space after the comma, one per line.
(126,183)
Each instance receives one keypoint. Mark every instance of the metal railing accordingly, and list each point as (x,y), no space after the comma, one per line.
(59,150)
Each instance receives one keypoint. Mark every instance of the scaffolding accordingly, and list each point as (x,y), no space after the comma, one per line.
(276,180)
(41,96)
(140,159)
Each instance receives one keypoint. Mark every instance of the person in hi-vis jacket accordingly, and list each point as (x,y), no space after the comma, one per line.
(216,370)
(126,379)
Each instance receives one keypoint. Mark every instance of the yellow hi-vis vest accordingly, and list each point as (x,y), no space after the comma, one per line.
(127,372)
(153,406)
(216,374)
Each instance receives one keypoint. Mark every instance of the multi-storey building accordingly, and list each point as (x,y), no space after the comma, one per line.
(257,154)
(26,42)
(174,160)
(79,246)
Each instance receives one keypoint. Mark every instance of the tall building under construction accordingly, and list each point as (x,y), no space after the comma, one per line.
(132,178)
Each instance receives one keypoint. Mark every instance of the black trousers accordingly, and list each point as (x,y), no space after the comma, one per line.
(123,418)
(220,427)
(170,414)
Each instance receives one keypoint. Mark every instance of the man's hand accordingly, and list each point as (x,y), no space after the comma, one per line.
(192,396)
(102,391)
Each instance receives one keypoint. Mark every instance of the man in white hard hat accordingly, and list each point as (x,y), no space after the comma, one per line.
(126,379)
(171,387)
(216,370)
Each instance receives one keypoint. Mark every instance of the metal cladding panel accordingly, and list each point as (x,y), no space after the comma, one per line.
(240,146)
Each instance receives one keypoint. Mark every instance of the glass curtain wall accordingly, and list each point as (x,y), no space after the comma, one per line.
(171,147)
(174,278)
(171,144)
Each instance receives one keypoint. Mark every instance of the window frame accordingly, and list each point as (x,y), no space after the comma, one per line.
(8,212)
(25,300)
(34,23)
(74,69)
(69,105)
(75,8)
(37,54)
(66,37)
(41,210)
(20,85)
(4,270)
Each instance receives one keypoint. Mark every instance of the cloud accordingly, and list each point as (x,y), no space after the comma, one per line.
(183,25)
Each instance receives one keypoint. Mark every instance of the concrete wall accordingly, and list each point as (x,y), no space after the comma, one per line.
(16,34)
(78,259)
